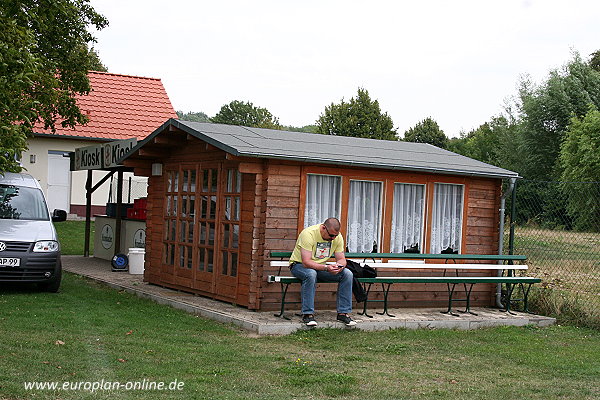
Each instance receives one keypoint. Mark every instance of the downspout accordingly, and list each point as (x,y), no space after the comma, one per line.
(501,236)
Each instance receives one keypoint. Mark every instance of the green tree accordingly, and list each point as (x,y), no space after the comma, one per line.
(542,114)
(360,117)
(546,111)
(193,116)
(44,61)
(246,114)
(495,142)
(580,161)
(95,62)
(427,131)
(305,128)
(595,60)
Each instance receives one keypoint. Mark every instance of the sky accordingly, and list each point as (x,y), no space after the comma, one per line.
(456,61)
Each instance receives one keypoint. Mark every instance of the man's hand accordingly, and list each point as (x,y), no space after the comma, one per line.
(334,268)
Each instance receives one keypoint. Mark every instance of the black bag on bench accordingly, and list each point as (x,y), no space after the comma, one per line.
(360,271)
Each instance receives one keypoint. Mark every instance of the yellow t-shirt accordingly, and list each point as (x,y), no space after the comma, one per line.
(310,239)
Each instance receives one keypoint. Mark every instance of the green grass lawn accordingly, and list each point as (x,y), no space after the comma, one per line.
(568,263)
(90,333)
(71,235)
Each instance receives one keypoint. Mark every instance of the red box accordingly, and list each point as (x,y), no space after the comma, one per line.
(131,213)
(140,204)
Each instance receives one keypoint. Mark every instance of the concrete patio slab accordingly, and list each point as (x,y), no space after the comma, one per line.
(265,323)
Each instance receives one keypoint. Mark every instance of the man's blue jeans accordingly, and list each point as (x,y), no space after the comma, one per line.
(309,278)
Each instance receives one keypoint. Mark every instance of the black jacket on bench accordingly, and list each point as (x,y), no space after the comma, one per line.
(360,272)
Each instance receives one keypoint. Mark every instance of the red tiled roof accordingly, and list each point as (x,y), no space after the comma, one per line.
(120,107)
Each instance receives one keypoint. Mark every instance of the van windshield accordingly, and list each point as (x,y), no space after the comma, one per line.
(22,203)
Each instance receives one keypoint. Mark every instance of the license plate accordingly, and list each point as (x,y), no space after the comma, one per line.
(9,262)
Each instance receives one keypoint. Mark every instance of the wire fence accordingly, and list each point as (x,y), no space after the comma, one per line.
(134,187)
(557,226)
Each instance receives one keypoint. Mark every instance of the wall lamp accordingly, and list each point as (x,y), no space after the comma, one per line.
(157,169)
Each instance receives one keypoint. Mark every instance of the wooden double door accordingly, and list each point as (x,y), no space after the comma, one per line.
(201,237)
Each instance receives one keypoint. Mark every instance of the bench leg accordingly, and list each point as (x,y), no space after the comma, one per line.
(367,291)
(467,291)
(509,291)
(468,308)
(451,299)
(386,290)
(525,299)
(450,295)
(283,293)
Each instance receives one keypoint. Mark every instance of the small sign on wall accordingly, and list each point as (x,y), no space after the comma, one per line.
(107,236)
(139,238)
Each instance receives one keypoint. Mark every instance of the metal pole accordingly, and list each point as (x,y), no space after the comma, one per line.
(513,217)
(88,212)
(118,215)
(129,192)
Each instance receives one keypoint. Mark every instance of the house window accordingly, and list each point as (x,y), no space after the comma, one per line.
(230,223)
(446,225)
(207,218)
(179,218)
(407,218)
(364,216)
(323,194)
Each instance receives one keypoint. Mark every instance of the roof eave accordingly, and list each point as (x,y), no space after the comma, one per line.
(199,135)
(184,128)
(57,135)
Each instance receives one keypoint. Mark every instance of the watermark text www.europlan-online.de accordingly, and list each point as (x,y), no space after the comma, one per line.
(103,385)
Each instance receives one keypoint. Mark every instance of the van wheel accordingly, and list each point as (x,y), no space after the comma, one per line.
(52,285)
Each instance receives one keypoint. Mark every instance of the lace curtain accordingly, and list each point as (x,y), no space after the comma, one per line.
(364,216)
(407,218)
(322,198)
(446,227)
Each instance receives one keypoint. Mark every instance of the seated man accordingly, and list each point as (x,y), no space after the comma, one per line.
(314,247)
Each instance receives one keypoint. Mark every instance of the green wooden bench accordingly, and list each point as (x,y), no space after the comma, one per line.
(510,280)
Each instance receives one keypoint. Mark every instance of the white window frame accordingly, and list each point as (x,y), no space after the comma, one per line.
(423,215)
(340,196)
(462,214)
(381,212)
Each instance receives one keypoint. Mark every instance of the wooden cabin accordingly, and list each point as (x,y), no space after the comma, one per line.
(222,197)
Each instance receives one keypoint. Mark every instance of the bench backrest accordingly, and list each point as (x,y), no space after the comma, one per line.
(409,256)
(421,265)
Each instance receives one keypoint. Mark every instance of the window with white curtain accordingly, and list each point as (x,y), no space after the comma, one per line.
(407,218)
(446,225)
(323,198)
(364,216)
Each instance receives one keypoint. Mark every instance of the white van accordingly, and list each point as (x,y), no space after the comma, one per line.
(29,248)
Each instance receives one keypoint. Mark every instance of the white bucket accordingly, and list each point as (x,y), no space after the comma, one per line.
(136,260)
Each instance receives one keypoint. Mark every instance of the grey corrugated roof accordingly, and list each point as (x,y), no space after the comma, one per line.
(339,150)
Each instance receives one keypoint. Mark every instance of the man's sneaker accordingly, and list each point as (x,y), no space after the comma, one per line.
(345,318)
(309,320)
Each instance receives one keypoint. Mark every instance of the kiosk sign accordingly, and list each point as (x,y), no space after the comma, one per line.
(115,150)
(89,157)
(102,155)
